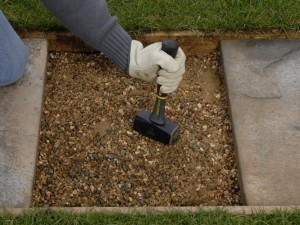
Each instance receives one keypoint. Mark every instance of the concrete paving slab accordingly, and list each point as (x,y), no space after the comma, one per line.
(263,81)
(20,112)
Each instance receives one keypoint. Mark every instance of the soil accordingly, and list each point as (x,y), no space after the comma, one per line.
(89,155)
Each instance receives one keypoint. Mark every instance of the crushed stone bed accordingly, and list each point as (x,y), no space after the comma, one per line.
(89,154)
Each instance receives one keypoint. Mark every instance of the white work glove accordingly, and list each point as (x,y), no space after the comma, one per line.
(150,62)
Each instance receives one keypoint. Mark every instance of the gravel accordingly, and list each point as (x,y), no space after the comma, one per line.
(89,155)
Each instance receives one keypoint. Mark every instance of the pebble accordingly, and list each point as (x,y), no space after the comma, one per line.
(121,111)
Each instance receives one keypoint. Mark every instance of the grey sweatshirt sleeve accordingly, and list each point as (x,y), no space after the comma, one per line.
(91,21)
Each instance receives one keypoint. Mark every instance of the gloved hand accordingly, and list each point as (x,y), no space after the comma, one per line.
(150,62)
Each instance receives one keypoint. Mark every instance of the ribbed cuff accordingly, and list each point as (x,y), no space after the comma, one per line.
(116,46)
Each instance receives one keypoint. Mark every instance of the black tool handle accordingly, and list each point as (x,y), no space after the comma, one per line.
(158,114)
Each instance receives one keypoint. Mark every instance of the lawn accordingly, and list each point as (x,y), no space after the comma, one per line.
(154,15)
(217,217)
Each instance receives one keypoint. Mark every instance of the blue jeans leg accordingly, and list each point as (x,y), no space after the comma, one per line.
(13,53)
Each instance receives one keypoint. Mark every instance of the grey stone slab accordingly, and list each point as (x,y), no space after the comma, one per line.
(263,82)
(20,112)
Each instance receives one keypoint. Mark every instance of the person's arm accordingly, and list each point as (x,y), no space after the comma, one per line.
(91,21)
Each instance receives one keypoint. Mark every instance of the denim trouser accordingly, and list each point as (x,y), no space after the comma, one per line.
(13,53)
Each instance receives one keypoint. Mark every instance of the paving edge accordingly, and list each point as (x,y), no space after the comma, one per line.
(19,128)
(238,210)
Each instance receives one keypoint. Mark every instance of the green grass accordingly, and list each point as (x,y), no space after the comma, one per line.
(145,15)
(216,217)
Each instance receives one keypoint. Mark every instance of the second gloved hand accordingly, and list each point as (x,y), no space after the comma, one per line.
(150,62)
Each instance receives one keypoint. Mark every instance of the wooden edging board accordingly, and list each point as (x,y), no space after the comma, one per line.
(192,42)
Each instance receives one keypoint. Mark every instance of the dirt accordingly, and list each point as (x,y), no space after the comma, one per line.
(89,155)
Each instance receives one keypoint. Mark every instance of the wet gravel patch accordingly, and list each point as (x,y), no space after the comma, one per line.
(89,155)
